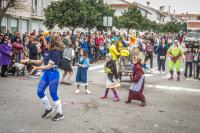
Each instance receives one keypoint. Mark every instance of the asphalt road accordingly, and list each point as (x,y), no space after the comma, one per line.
(172,107)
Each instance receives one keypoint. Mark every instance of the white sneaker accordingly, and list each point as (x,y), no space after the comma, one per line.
(88,92)
(163,73)
(77,91)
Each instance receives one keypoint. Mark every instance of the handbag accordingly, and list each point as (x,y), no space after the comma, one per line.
(162,57)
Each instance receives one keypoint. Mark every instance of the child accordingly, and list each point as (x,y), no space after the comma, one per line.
(112,77)
(81,76)
(188,62)
(137,87)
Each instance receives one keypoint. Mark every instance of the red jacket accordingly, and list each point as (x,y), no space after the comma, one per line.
(99,41)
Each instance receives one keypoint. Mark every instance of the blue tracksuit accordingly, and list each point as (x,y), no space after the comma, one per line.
(51,76)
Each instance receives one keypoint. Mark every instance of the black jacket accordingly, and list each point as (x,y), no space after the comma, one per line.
(33,53)
(112,66)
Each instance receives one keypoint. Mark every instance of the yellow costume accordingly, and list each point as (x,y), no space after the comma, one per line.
(113,51)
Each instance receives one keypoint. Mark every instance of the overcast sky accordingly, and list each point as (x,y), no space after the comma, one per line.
(191,6)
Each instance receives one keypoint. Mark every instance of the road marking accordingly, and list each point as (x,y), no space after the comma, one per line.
(92,68)
(173,88)
(102,71)
(148,75)
(96,67)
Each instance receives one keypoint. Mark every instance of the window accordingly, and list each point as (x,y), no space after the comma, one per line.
(14,25)
(4,25)
(34,6)
(25,26)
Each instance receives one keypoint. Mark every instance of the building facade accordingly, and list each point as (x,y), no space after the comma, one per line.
(27,19)
(159,16)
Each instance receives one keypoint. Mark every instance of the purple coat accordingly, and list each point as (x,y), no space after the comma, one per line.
(5,51)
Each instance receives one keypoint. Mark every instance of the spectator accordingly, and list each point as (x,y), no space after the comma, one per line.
(188,62)
(5,57)
(148,54)
(17,49)
(161,51)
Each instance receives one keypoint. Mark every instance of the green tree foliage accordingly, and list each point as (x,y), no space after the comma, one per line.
(104,10)
(66,13)
(76,13)
(174,26)
(131,19)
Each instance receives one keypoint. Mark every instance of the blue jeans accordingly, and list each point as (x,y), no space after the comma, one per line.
(49,78)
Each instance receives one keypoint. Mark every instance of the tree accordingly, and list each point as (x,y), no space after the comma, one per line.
(92,14)
(5,5)
(104,10)
(66,13)
(131,19)
(146,24)
(174,27)
(76,13)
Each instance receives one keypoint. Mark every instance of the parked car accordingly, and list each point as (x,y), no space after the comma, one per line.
(192,39)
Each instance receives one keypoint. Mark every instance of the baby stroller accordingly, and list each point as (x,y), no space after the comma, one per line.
(16,69)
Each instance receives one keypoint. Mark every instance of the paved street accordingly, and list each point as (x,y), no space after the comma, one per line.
(172,107)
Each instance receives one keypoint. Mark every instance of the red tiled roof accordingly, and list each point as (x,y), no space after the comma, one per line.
(119,5)
(187,15)
(193,24)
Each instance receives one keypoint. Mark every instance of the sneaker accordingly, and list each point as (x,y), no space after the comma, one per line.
(58,117)
(163,73)
(88,92)
(47,113)
(77,91)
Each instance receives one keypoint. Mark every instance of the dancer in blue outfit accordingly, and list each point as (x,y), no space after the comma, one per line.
(50,77)
(81,76)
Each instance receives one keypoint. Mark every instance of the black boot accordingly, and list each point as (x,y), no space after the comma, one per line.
(178,76)
(4,71)
(171,75)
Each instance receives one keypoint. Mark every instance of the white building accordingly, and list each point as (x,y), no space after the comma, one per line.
(159,16)
(27,19)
